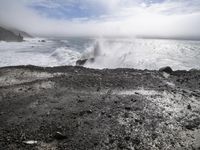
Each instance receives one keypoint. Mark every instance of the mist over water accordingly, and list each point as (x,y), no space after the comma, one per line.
(107,53)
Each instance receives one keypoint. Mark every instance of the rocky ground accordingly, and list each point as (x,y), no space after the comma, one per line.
(74,108)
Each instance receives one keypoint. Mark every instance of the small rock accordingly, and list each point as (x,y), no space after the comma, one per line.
(59,136)
(126,115)
(138,121)
(127,138)
(189,107)
(80,100)
(166,69)
(103,112)
(98,89)
(128,108)
(85,112)
(133,100)
(89,111)
(109,116)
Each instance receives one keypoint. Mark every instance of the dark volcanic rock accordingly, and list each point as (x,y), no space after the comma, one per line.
(9,36)
(78,108)
(166,69)
(81,62)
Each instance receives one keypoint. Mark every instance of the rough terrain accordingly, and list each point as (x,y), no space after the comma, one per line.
(75,108)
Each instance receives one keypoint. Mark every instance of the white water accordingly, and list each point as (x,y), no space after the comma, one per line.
(147,54)
(108,53)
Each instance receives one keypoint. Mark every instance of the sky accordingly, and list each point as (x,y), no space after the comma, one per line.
(154,18)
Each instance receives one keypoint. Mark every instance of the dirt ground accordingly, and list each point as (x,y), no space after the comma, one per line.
(74,108)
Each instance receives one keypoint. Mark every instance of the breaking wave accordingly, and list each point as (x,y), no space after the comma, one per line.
(145,54)
(104,53)
(65,56)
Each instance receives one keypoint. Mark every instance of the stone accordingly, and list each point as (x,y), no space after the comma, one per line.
(81,62)
(166,69)
(189,107)
(59,136)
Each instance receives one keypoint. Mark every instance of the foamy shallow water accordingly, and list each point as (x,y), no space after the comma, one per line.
(108,53)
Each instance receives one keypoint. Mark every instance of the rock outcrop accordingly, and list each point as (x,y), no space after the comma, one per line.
(82,62)
(9,36)
(22,33)
(78,108)
(166,69)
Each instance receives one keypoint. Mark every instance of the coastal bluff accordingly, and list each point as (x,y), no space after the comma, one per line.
(76,108)
(9,36)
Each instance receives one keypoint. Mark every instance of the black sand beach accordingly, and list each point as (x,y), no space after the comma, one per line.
(75,108)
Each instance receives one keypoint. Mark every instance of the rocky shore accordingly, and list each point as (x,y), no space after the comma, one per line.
(75,108)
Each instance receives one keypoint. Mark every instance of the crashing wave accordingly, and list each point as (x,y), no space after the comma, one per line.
(65,56)
(143,54)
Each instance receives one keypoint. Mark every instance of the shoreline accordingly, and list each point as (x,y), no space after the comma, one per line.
(69,107)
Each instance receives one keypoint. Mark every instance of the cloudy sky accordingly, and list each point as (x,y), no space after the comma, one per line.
(166,18)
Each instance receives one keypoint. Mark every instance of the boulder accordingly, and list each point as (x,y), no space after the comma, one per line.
(81,62)
(166,69)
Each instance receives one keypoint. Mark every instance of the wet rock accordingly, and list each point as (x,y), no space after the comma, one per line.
(166,69)
(81,62)
(42,41)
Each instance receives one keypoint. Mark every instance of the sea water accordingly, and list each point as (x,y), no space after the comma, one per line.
(107,53)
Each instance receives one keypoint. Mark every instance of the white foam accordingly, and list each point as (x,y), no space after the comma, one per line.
(146,54)
(65,56)
(108,53)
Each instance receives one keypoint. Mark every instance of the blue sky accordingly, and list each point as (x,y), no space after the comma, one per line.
(169,18)
(90,9)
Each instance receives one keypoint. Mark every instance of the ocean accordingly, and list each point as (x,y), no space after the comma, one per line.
(107,53)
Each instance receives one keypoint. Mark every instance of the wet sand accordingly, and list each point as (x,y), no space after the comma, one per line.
(75,108)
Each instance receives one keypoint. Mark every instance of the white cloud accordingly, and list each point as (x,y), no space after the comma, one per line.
(180,18)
